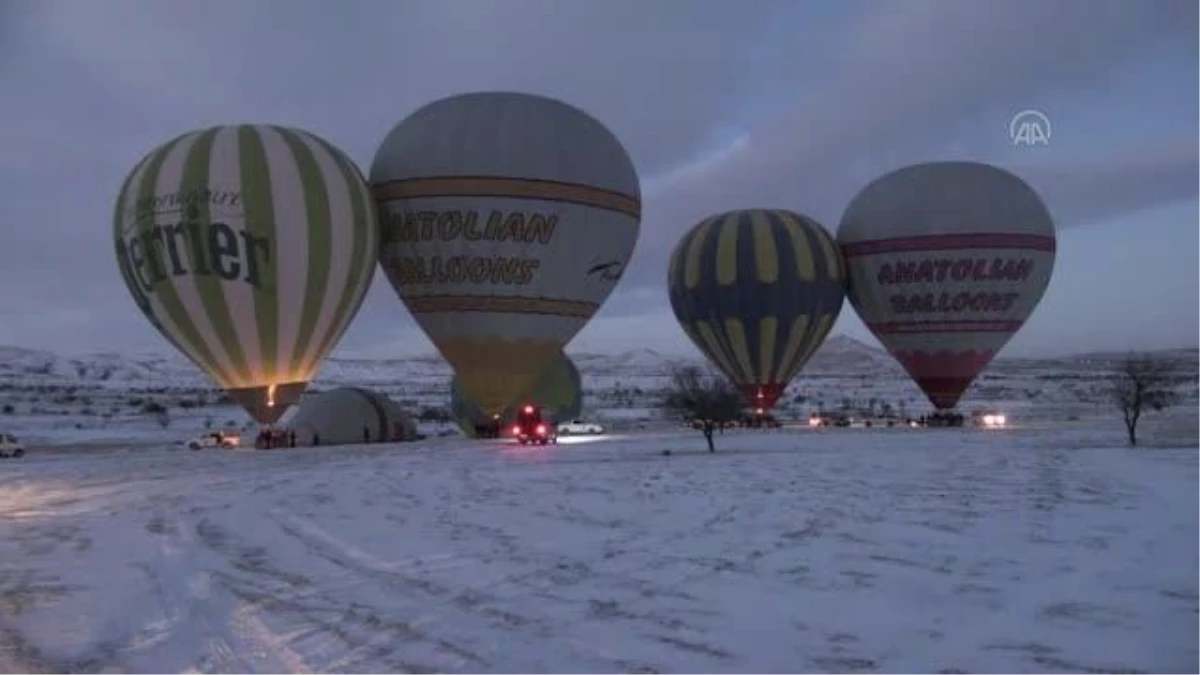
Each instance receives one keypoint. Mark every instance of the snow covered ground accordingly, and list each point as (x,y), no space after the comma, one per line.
(1030,550)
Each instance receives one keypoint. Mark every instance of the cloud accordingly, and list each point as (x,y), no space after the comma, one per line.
(724,105)
(101,84)
(1118,183)
(915,79)
(648,71)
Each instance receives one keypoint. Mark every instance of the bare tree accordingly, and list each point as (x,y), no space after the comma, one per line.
(696,394)
(1140,384)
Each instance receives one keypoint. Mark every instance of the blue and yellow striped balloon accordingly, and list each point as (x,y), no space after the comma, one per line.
(757,291)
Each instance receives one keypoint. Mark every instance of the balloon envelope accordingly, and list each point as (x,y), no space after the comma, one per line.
(757,291)
(558,390)
(249,248)
(508,219)
(947,260)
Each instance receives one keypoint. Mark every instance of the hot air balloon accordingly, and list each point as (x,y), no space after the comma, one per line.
(249,248)
(757,291)
(558,391)
(947,260)
(508,219)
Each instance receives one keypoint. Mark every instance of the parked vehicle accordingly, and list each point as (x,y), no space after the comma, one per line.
(531,427)
(989,419)
(830,419)
(218,439)
(10,446)
(579,427)
(759,420)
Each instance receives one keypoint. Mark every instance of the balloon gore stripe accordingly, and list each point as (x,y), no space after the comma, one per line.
(945,242)
(514,188)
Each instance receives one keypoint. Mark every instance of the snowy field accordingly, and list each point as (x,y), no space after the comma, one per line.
(838,550)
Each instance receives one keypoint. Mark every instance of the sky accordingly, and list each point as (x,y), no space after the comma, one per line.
(722,105)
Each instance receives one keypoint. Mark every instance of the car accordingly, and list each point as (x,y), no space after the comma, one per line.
(989,419)
(759,420)
(579,427)
(10,446)
(942,419)
(530,427)
(218,439)
(830,419)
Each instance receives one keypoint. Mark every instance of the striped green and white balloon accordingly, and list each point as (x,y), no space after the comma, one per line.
(250,248)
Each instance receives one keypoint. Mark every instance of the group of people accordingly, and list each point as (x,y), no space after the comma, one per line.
(269,438)
(488,429)
(942,418)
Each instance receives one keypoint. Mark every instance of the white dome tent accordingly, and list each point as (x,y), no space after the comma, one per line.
(350,415)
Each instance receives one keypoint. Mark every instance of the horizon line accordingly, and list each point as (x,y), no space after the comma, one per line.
(434,354)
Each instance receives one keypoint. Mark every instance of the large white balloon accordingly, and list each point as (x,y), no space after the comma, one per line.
(947,260)
(507,221)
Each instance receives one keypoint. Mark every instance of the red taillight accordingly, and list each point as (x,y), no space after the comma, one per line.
(528,410)
(517,430)
(541,429)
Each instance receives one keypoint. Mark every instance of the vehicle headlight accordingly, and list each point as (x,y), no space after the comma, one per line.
(994,420)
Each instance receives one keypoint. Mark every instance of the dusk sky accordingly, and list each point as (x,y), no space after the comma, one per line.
(789,104)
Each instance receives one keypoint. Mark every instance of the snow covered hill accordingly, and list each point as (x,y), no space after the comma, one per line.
(21,368)
(88,394)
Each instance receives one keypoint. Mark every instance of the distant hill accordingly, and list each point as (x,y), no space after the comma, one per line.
(1181,354)
(844,354)
(43,393)
(841,355)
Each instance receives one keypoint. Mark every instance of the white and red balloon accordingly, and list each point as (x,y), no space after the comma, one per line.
(946,262)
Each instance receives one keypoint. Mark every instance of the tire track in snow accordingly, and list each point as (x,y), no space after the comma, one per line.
(230,636)
(394,574)
(441,602)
